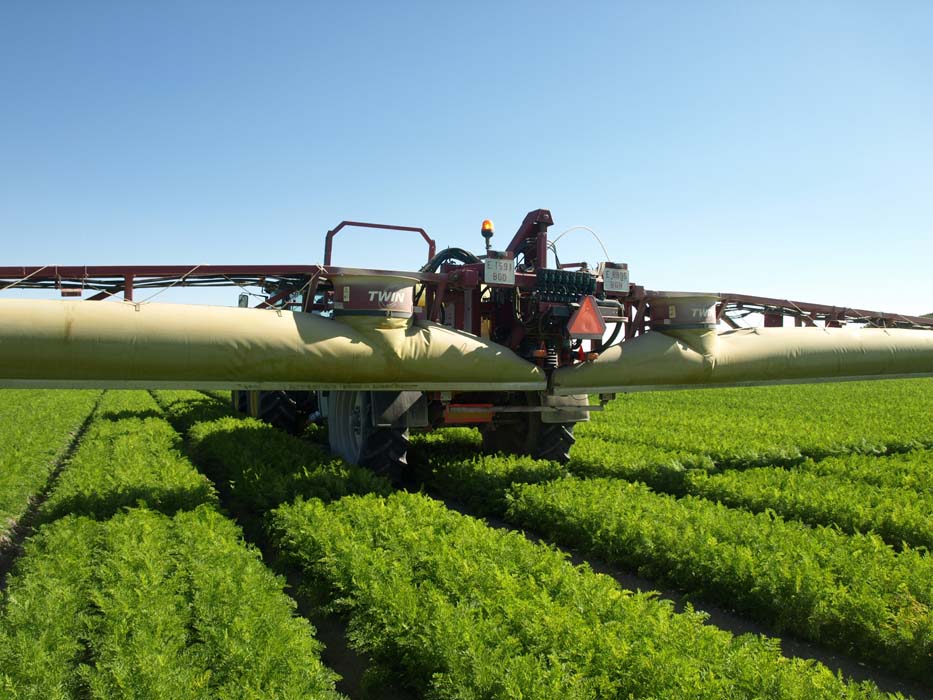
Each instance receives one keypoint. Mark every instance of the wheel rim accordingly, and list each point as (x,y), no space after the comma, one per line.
(355,427)
(345,424)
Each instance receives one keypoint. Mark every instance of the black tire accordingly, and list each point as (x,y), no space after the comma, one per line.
(528,435)
(554,442)
(385,452)
(286,410)
(506,437)
(279,409)
(240,400)
(353,437)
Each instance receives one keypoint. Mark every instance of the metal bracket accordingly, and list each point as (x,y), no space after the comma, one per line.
(574,408)
(399,409)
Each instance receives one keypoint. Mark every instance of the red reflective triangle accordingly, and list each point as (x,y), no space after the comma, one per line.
(587,323)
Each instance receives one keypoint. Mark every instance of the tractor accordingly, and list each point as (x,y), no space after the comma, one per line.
(512,341)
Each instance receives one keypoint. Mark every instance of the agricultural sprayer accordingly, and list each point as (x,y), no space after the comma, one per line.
(505,340)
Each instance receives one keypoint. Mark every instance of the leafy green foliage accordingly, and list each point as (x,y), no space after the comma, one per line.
(760,426)
(461,610)
(664,469)
(129,456)
(185,408)
(444,460)
(909,470)
(852,591)
(896,514)
(44,608)
(136,603)
(36,428)
(221,395)
(172,604)
(857,493)
(836,491)
(259,465)
(146,605)
(446,443)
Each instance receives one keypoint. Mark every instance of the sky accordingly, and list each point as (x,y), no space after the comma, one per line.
(773,148)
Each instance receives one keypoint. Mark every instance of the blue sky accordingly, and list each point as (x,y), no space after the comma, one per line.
(775,148)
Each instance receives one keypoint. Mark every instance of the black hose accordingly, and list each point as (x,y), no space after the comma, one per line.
(457,254)
(613,336)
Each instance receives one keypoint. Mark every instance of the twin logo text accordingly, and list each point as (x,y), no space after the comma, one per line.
(386,297)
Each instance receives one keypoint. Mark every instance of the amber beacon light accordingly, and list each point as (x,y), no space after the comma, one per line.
(487,230)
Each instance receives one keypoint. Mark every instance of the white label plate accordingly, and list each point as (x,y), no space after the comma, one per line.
(500,272)
(616,280)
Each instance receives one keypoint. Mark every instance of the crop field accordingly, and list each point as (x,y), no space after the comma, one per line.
(156,545)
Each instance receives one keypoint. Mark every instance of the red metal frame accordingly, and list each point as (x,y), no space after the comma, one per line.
(329,239)
(444,287)
(531,237)
(110,280)
(457,285)
(809,313)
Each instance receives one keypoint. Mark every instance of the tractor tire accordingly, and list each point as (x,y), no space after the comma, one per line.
(554,442)
(353,437)
(284,410)
(279,409)
(240,400)
(528,435)
(505,437)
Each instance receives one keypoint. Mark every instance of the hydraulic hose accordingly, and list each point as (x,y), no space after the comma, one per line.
(457,254)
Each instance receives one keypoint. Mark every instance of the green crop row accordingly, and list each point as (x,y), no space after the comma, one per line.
(257,465)
(36,427)
(221,395)
(185,408)
(767,425)
(450,462)
(633,461)
(851,591)
(898,515)
(909,470)
(481,481)
(149,606)
(143,603)
(461,610)
(129,456)
(828,492)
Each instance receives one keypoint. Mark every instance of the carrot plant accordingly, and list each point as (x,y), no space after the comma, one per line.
(129,456)
(898,515)
(35,429)
(760,426)
(41,613)
(258,465)
(112,599)
(909,470)
(147,605)
(477,480)
(666,469)
(185,408)
(460,610)
(851,591)
(221,395)
(841,492)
